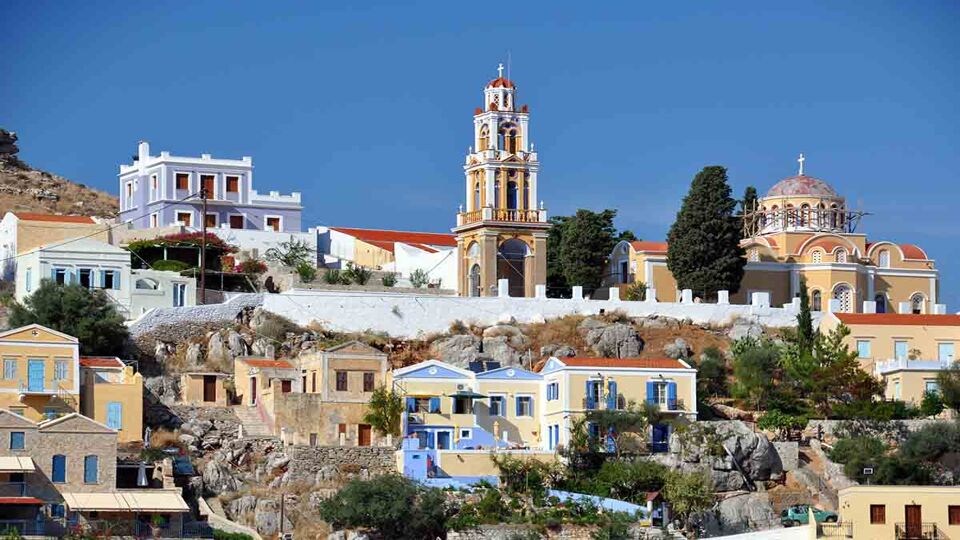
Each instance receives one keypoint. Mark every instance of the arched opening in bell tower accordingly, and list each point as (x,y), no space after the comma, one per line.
(475,280)
(511,261)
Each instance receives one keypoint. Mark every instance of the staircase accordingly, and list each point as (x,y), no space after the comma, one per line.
(253,426)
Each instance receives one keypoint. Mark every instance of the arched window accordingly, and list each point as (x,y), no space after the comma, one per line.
(840,255)
(474,250)
(804,215)
(763,217)
(774,215)
(834,216)
(790,216)
(881,302)
(484,142)
(753,255)
(844,294)
(147,284)
(818,218)
(509,137)
(476,195)
(526,193)
(816,256)
(917,303)
(816,302)
(475,280)
(883,259)
(59,469)
(512,195)
(496,194)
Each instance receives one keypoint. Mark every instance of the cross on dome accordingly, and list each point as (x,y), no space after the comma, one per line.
(800,160)
(500,70)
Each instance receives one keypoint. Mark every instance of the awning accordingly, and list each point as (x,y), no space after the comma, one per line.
(20,500)
(16,464)
(467,394)
(134,500)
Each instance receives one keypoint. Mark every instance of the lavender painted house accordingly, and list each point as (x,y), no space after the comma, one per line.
(160,191)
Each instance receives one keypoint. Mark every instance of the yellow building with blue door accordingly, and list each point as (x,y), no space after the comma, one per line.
(41,372)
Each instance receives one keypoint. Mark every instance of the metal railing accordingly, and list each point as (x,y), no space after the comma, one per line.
(918,531)
(608,402)
(835,530)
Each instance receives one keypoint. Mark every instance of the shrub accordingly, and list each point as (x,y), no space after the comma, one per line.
(307,272)
(781,423)
(389,279)
(636,292)
(250,266)
(419,278)
(357,274)
(170,265)
(712,373)
(224,535)
(334,276)
(276,327)
(628,481)
(874,410)
(291,253)
(688,493)
(932,404)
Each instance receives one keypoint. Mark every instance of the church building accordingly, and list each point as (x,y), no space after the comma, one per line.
(803,228)
(502,234)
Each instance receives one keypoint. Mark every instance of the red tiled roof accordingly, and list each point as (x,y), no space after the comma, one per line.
(266,363)
(30,216)
(898,319)
(656,247)
(20,500)
(649,363)
(500,81)
(385,239)
(424,247)
(101,361)
(911,251)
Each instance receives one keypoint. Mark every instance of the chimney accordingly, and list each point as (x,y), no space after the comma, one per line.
(143,151)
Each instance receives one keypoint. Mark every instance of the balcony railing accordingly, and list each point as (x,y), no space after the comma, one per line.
(919,531)
(609,402)
(13,489)
(502,214)
(835,530)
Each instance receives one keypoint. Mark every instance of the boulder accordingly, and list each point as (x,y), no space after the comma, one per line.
(218,477)
(242,506)
(218,354)
(559,351)
(266,518)
(458,350)
(263,348)
(742,328)
(500,348)
(739,513)
(678,349)
(236,345)
(194,355)
(617,340)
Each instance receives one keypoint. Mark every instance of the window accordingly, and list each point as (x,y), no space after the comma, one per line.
(313,439)
(368,382)
(896,389)
(466,433)
(236,222)
(313,382)
(273,223)
(184,218)
(154,187)
(524,406)
(179,294)
(931,387)
(147,284)
(29,279)
(16,440)
(61,369)
(553,391)
(233,184)
(209,185)
(496,405)
(50,413)
(817,301)
(883,260)
(945,352)
(59,469)
(880,302)
(211,220)
(57,511)
(86,278)
(863,348)
(60,276)
(916,304)
(816,256)
(841,255)
(110,279)
(953,514)
(462,405)
(128,192)
(183,181)
(115,415)
(9,368)
(342,381)
(91,469)
(154,220)
(844,294)
(900,350)
(660,393)
(878,514)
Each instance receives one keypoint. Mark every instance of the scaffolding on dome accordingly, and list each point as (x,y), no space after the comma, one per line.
(759,221)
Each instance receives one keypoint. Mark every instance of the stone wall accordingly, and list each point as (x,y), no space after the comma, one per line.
(313,463)
(511,532)
(830,427)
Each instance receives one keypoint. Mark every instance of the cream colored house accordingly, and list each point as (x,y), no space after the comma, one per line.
(112,393)
(901,512)
(23,231)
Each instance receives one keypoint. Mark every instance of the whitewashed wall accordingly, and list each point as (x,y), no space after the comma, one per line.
(249,239)
(440,265)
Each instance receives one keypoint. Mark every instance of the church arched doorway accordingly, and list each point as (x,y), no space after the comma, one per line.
(475,280)
(844,294)
(511,262)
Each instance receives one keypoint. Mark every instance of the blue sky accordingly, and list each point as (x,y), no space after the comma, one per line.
(366,108)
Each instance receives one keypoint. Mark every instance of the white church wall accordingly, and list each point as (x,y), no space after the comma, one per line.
(440,265)
(258,242)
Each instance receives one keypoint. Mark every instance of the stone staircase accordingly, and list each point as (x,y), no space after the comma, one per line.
(253,426)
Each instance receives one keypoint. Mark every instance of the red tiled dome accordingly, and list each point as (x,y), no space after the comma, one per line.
(500,82)
(802,185)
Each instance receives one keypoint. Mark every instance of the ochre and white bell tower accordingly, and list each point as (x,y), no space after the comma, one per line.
(503,232)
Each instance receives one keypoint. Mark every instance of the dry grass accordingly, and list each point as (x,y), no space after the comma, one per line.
(556,331)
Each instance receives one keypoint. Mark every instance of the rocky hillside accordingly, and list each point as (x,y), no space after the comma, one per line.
(25,189)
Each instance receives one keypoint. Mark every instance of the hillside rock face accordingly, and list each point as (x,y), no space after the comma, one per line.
(23,188)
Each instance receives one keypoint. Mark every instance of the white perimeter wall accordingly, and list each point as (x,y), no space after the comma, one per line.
(440,265)
(249,239)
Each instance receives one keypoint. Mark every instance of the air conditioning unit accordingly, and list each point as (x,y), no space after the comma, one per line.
(459,387)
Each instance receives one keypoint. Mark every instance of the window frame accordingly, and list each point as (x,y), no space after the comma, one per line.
(61,369)
(226,180)
(369,377)
(266,222)
(520,399)
(868,346)
(878,514)
(22,439)
(87,460)
(953,514)
(188,222)
(501,400)
(338,374)
(176,181)
(10,374)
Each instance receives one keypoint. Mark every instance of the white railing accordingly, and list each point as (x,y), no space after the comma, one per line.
(894,364)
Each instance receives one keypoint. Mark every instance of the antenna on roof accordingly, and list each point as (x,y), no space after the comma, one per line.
(508,65)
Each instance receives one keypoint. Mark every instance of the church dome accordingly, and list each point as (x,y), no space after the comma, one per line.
(500,82)
(803,186)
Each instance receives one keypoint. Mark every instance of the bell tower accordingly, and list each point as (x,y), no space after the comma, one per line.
(501,232)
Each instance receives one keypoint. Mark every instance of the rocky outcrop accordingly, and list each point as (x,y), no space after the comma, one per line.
(739,513)
(611,340)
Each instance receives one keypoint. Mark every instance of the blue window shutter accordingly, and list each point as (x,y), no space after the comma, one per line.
(103,279)
(434,404)
(651,393)
(411,404)
(431,438)
(672,395)
(116,279)
(114,415)
(612,395)
(53,274)
(59,468)
(518,406)
(90,465)
(16,440)
(531,406)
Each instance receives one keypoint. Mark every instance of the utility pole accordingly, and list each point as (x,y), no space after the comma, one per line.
(203,246)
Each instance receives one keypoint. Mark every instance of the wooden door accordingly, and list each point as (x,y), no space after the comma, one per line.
(914,520)
(253,390)
(286,386)
(209,388)
(364,435)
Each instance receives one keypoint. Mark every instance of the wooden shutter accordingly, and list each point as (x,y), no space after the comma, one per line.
(878,514)
(953,514)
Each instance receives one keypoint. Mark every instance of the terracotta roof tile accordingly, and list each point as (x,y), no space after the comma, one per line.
(266,363)
(385,239)
(655,247)
(911,251)
(101,361)
(898,319)
(643,363)
(30,216)
(500,81)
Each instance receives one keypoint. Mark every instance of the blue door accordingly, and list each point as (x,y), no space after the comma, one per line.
(35,375)
(114,415)
(443,440)
(660,438)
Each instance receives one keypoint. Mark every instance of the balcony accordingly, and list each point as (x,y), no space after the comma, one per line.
(917,531)
(504,215)
(835,530)
(886,366)
(609,402)
(13,489)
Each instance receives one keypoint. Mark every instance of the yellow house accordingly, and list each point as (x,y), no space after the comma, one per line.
(112,394)
(41,372)
(803,228)
(906,352)
(252,376)
(901,512)
(203,389)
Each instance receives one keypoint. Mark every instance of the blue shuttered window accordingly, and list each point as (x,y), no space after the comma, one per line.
(59,474)
(435,405)
(411,405)
(671,396)
(16,440)
(91,472)
(591,396)
(612,395)
(651,392)
(115,415)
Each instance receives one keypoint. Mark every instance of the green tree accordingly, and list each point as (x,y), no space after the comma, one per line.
(384,411)
(688,494)
(805,332)
(393,506)
(586,241)
(948,380)
(704,252)
(932,404)
(712,373)
(754,364)
(86,314)
(292,253)
(557,286)
(749,201)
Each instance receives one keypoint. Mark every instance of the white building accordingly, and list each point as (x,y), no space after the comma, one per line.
(23,231)
(98,265)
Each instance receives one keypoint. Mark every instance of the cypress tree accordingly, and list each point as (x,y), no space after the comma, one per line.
(704,252)
(749,200)
(805,335)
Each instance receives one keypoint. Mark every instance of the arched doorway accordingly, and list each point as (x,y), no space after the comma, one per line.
(844,294)
(881,302)
(475,280)
(511,261)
